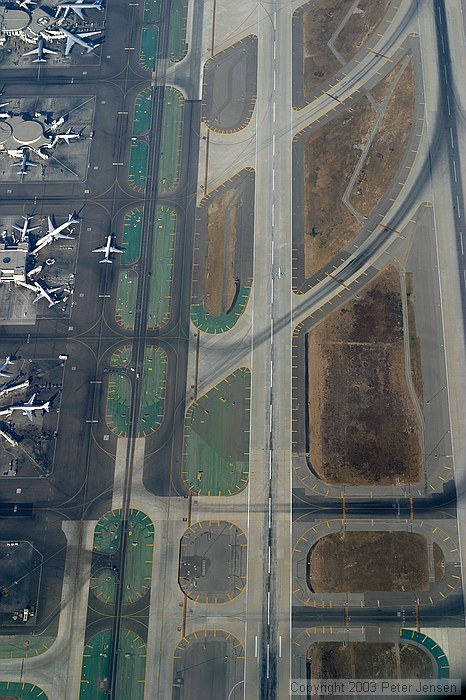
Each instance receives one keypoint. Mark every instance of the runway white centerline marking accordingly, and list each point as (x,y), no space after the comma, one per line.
(273,215)
(273,144)
(454,171)
(448,104)
(458,207)
(274,112)
(451,138)
(274,80)
(274,50)
(461,241)
(446,74)
(255,646)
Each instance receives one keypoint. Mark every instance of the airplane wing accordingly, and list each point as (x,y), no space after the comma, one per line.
(70,42)
(116,250)
(51,226)
(100,250)
(31,400)
(48,51)
(31,53)
(78,12)
(83,35)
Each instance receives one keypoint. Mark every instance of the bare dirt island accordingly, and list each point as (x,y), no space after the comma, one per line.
(357,562)
(363,428)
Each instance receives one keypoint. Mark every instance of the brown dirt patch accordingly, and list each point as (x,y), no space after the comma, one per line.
(357,562)
(379,91)
(362,425)
(360,26)
(368,660)
(330,156)
(319,23)
(219,285)
(439,563)
(414,341)
(388,147)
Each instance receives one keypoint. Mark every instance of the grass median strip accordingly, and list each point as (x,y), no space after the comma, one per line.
(148,50)
(177,46)
(170,140)
(126,298)
(132,233)
(137,171)
(142,112)
(118,404)
(153,390)
(163,252)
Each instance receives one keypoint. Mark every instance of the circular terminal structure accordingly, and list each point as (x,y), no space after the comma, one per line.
(5,132)
(212,561)
(26,131)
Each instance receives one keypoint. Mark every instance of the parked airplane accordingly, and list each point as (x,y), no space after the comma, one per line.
(78,6)
(67,136)
(107,249)
(41,52)
(3,367)
(25,162)
(25,229)
(44,292)
(29,407)
(78,38)
(55,232)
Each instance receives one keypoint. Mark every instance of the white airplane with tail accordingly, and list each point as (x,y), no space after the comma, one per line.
(107,249)
(67,136)
(28,408)
(41,52)
(78,38)
(44,292)
(25,229)
(24,163)
(3,367)
(55,232)
(77,7)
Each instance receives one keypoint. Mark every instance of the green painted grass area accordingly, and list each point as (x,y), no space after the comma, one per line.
(103,585)
(126,298)
(220,324)
(96,666)
(139,555)
(151,10)
(122,356)
(131,672)
(132,231)
(137,171)
(170,140)
(163,252)
(177,38)
(19,647)
(131,669)
(148,50)
(153,390)
(107,533)
(142,112)
(216,439)
(118,404)
(15,691)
